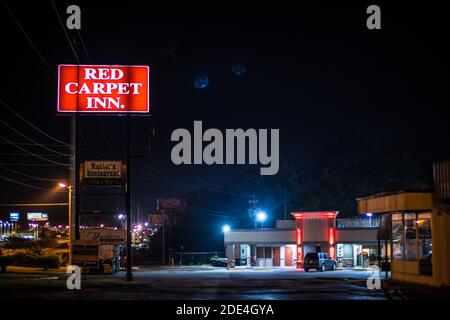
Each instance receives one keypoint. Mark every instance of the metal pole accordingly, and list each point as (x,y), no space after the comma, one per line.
(163,238)
(76,178)
(72,183)
(386,256)
(129,276)
(70,225)
(379,254)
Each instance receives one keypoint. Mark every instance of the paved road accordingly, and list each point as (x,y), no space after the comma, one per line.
(195,283)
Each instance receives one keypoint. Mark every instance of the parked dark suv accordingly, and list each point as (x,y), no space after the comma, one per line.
(319,261)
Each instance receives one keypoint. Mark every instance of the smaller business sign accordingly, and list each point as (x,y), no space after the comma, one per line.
(171,204)
(104,236)
(156,218)
(14,216)
(103,172)
(85,252)
(37,216)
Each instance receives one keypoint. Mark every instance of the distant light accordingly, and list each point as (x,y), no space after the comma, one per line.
(146,224)
(62,184)
(369,214)
(201,82)
(226,228)
(120,216)
(102,225)
(238,69)
(261,216)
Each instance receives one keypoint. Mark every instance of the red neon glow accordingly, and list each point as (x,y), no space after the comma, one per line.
(299,236)
(317,214)
(332,252)
(299,256)
(103,89)
(331,236)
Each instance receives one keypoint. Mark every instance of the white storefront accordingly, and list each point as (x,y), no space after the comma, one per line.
(287,244)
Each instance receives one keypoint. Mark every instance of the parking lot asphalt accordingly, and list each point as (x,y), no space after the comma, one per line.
(196,282)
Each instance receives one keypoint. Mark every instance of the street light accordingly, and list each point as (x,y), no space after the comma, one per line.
(62,184)
(261,216)
(369,214)
(69,189)
(225,229)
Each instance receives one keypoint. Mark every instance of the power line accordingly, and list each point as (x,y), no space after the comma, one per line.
(28,39)
(32,125)
(32,144)
(175,182)
(29,139)
(17,164)
(18,154)
(26,175)
(23,184)
(199,210)
(108,142)
(81,39)
(33,154)
(65,32)
(200,184)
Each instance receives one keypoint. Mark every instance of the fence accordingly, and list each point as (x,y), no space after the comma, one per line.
(192,258)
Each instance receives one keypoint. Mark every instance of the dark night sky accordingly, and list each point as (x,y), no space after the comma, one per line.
(334,89)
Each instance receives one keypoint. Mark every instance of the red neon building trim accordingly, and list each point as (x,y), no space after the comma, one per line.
(331,236)
(299,256)
(315,214)
(299,236)
(332,252)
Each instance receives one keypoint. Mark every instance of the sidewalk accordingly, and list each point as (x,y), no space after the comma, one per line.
(33,270)
(413,291)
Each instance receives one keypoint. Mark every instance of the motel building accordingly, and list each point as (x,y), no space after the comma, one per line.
(352,242)
(404,231)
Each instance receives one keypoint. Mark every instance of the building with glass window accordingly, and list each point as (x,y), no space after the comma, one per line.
(415,225)
(417,233)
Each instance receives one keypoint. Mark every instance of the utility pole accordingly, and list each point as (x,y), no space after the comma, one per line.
(129,276)
(76,180)
(163,239)
(70,224)
(72,183)
(252,202)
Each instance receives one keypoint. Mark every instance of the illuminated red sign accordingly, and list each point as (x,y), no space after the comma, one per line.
(103,89)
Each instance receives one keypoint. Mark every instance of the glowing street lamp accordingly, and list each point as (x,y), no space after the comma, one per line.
(64,185)
(369,214)
(261,216)
(226,228)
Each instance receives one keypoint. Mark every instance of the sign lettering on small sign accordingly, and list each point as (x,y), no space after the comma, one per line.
(107,172)
(37,216)
(14,216)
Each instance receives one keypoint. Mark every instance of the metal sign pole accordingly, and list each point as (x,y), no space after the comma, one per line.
(76,179)
(129,276)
